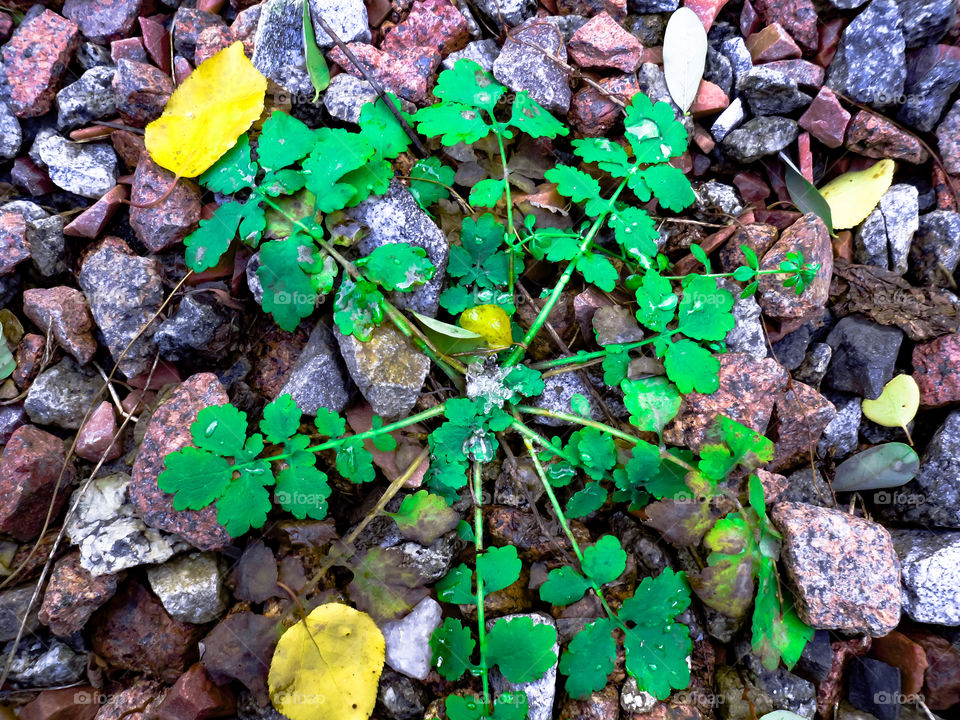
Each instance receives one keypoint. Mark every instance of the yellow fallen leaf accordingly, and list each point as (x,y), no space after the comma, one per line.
(897,404)
(490,321)
(853,195)
(328,666)
(205,116)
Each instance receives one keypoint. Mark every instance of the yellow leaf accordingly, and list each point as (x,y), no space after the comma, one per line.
(205,116)
(490,321)
(331,670)
(854,195)
(897,404)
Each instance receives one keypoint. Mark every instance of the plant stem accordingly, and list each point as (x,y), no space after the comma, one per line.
(399,424)
(506,186)
(478,546)
(583,357)
(730,274)
(533,435)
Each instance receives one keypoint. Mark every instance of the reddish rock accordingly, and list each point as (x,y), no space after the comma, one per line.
(750,21)
(809,236)
(27,176)
(774,485)
(63,311)
(710,99)
(772,43)
(797,17)
(756,236)
(73,594)
(36,60)
(706,10)
(6,26)
(617,9)
(128,146)
(188,23)
(103,21)
(168,222)
(29,469)
(747,392)
(142,91)
(830,690)
(128,49)
(806,74)
(431,24)
(826,119)
(96,438)
(194,696)
(157,42)
(805,156)
(407,72)
(138,700)
(181,69)
(801,414)
(830,33)
(941,685)
(244,28)
(29,359)
(948,140)
(91,222)
(844,569)
(593,113)
(134,632)
(671,711)
(936,368)
(210,41)
(780,219)
(210,6)
(900,651)
(752,188)
(13,241)
(945,198)
(73,703)
(602,43)
(239,648)
(601,705)
(168,431)
(875,136)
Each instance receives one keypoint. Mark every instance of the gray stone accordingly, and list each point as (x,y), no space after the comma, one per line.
(615,324)
(347,18)
(400,697)
(387,369)
(253,280)
(319,379)
(644,7)
(729,120)
(62,394)
(13,606)
(864,354)
(346,96)
(430,562)
(747,335)
(719,70)
(91,55)
(408,639)
(760,137)
(839,437)
(89,98)
(935,244)
(30,210)
(540,693)
(926,21)
(569,24)
(792,348)
(930,574)
(771,92)
(513,12)
(648,29)
(885,236)
(814,365)
(521,67)
(190,587)
(85,169)
(713,196)
(483,52)
(47,246)
(200,328)
(635,700)
(948,131)
(931,80)
(870,66)
(786,690)
(735,50)
(807,486)
(45,663)
(395,217)
(557,394)
(10,134)
(653,84)
(109,535)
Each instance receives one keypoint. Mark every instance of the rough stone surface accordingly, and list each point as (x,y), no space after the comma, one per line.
(36,59)
(85,169)
(167,432)
(89,98)
(540,693)
(168,222)
(346,96)
(802,413)
(926,21)
(319,378)
(936,369)
(124,291)
(13,606)
(933,74)
(47,663)
(195,695)
(936,243)
(941,681)
(64,311)
(841,434)
(73,594)
(593,112)
(602,43)
(520,67)
(864,354)
(62,394)
(771,92)
(141,91)
(884,237)
(874,136)
(798,17)
(930,568)
(348,18)
(408,639)
(772,43)
(92,221)
(483,52)
(844,568)
(188,24)
(96,438)
(103,22)
(809,236)
(431,23)
(759,137)
(557,393)
(190,587)
(10,134)
(948,139)
(747,335)
(871,686)
(77,703)
(826,119)
(200,328)
(13,241)
(47,246)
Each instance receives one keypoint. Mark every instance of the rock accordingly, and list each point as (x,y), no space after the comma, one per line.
(29,177)
(95,441)
(735,50)
(935,244)
(635,700)
(826,119)
(102,22)
(898,650)
(948,139)
(785,690)
(200,328)
(540,693)
(45,239)
(807,485)
(747,335)
(408,639)
(124,291)
(167,432)
(91,222)
(941,686)
(400,697)
(73,595)
(134,632)
(128,49)
(141,91)
(210,41)
(76,703)
(557,395)
(593,112)
(239,648)
(521,67)
(884,237)
(875,688)
(772,43)
(407,72)
(748,389)
(13,607)
(12,417)
(89,98)
(62,394)
(932,76)
(814,365)
(844,569)
(931,574)
(107,532)
(395,217)
(36,59)
(710,100)
(802,414)
(601,705)
(806,74)
(870,65)
(864,354)
(926,21)
(760,137)
(194,695)
(188,24)
(615,324)
(167,223)
(798,18)
(875,136)
(771,92)
(346,96)
(729,120)
(190,587)
(719,70)
(348,18)
(936,370)
(85,169)
(431,23)
(64,312)
(46,663)
(841,434)
(29,359)
(809,236)
(706,10)
(10,133)
(483,52)
(602,43)
(319,378)
(256,574)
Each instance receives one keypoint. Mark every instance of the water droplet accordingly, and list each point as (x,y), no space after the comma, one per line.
(211,428)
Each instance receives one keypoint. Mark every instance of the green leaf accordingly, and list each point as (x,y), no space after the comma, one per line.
(426,193)
(510,706)
(452,645)
(635,231)
(563,586)
(486,193)
(726,584)
(282,182)
(522,649)
(245,503)
(281,419)
(691,367)
(670,186)
(7,362)
(556,245)
(609,156)
(423,517)
(316,64)
(220,429)
(464,708)
(615,365)
(656,302)
(652,130)
(652,402)
(704,312)
(597,270)
(594,450)
(670,479)
(358,308)
(605,560)
(883,466)
(335,153)
(727,444)
(284,141)
(457,586)
(302,489)
(804,194)
(354,462)
(586,501)
(778,633)
(329,423)
(572,183)
(397,266)
(477,260)
(379,125)
(453,123)
(530,117)
(468,84)
(499,567)
(701,256)
(589,658)
(194,477)
(524,381)
(290,289)
(233,171)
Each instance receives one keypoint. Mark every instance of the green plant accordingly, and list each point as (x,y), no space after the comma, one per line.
(687,498)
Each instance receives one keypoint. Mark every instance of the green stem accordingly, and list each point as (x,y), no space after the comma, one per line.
(583,357)
(478,546)
(398,425)
(534,436)
(730,274)
(506,187)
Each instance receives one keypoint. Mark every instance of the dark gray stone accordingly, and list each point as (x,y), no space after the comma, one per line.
(840,436)
(935,244)
(948,133)
(760,137)
(513,12)
(874,687)
(319,378)
(13,606)
(521,67)
(89,98)
(47,245)
(10,134)
(652,6)
(771,92)
(399,697)
(870,66)
(931,81)
(807,486)
(42,663)
(926,21)
(200,328)
(483,52)
(91,55)
(719,71)
(786,690)
(816,660)
(85,169)
(814,365)
(558,393)
(62,394)
(735,50)
(864,354)
(930,573)
(884,237)
(790,350)
(648,29)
